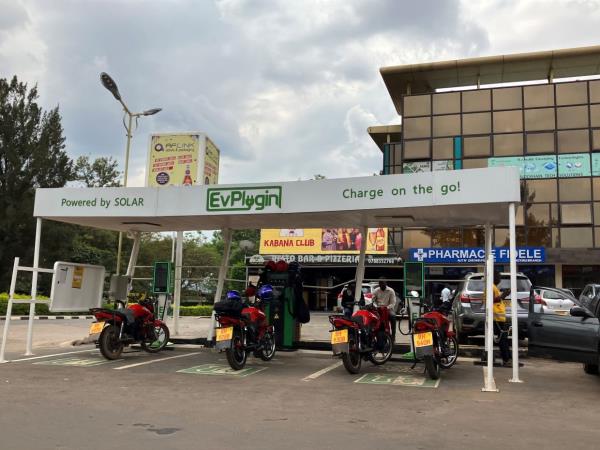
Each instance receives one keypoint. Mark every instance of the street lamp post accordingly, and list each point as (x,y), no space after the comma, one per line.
(111,86)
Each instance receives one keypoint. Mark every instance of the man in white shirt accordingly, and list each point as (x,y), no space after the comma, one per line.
(386,297)
(446,292)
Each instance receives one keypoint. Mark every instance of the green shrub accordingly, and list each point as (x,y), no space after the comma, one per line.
(198,310)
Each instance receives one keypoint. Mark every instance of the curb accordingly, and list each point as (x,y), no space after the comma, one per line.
(49,317)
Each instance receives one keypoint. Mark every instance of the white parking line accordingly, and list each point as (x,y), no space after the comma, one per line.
(315,375)
(55,354)
(152,361)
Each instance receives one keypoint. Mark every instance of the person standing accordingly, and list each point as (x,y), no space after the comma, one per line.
(500,324)
(348,299)
(385,296)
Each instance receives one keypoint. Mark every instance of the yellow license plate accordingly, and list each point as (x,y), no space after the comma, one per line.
(423,339)
(339,337)
(561,312)
(224,334)
(96,327)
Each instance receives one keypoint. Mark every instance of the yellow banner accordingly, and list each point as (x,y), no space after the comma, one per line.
(211,163)
(173,160)
(304,241)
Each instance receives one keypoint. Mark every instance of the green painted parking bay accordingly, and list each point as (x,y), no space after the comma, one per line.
(221,369)
(74,361)
(398,376)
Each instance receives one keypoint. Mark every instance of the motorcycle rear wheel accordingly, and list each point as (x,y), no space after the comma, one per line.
(381,357)
(162,333)
(448,361)
(236,354)
(352,359)
(432,367)
(110,345)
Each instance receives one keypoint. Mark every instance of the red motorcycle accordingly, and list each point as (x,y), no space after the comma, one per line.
(366,335)
(244,328)
(434,343)
(134,324)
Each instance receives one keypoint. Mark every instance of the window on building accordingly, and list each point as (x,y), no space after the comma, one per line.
(576,213)
(571,93)
(475,163)
(595,115)
(476,146)
(507,98)
(538,214)
(537,191)
(539,236)
(575,190)
(508,144)
(597,236)
(596,188)
(417,127)
(572,117)
(416,149)
(417,105)
(596,139)
(415,238)
(540,95)
(476,100)
(576,237)
(473,237)
(540,143)
(508,121)
(554,219)
(446,125)
(446,103)
(477,123)
(446,238)
(573,141)
(595,91)
(501,237)
(539,119)
(443,148)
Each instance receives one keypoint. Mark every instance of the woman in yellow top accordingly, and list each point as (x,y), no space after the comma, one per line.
(500,325)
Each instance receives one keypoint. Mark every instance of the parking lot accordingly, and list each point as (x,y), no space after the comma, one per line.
(186,397)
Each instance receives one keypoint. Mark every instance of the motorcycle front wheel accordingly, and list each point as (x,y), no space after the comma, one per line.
(450,358)
(352,359)
(110,345)
(236,354)
(267,352)
(384,353)
(161,341)
(432,367)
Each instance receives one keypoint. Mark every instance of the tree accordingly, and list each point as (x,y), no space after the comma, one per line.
(102,172)
(32,155)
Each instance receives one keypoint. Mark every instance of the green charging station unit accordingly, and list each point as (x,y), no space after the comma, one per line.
(414,281)
(281,311)
(163,282)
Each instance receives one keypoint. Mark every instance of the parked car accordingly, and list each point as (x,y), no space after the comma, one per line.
(573,337)
(555,301)
(590,298)
(469,306)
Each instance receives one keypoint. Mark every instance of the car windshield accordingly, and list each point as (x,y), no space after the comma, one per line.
(477,284)
(553,295)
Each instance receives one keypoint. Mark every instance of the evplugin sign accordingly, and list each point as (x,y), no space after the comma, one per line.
(244,199)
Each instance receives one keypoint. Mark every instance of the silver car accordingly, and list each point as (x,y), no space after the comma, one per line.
(554,301)
(469,305)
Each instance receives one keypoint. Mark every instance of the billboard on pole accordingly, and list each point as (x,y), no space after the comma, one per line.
(181,159)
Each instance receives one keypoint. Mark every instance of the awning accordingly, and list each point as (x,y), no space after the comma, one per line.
(434,199)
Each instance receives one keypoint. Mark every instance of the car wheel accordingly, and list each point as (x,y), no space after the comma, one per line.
(591,369)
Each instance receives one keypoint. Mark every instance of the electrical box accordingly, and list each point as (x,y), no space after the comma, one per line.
(162,277)
(119,287)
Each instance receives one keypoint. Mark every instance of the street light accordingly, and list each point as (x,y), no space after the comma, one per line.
(111,87)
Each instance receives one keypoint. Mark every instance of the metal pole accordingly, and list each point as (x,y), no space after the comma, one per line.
(11,294)
(221,280)
(360,269)
(135,249)
(34,282)
(177,290)
(513,294)
(120,245)
(489,383)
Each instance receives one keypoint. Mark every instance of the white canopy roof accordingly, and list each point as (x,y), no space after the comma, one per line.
(433,199)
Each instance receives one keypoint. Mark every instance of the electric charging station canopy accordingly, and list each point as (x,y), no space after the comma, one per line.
(434,199)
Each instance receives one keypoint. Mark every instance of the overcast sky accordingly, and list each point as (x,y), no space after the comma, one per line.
(286,89)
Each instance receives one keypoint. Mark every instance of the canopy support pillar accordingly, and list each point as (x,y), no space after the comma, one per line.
(360,268)
(227,235)
(135,250)
(34,283)
(513,294)
(177,290)
(489,382)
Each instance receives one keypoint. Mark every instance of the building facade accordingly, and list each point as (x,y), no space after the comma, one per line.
(549,129)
